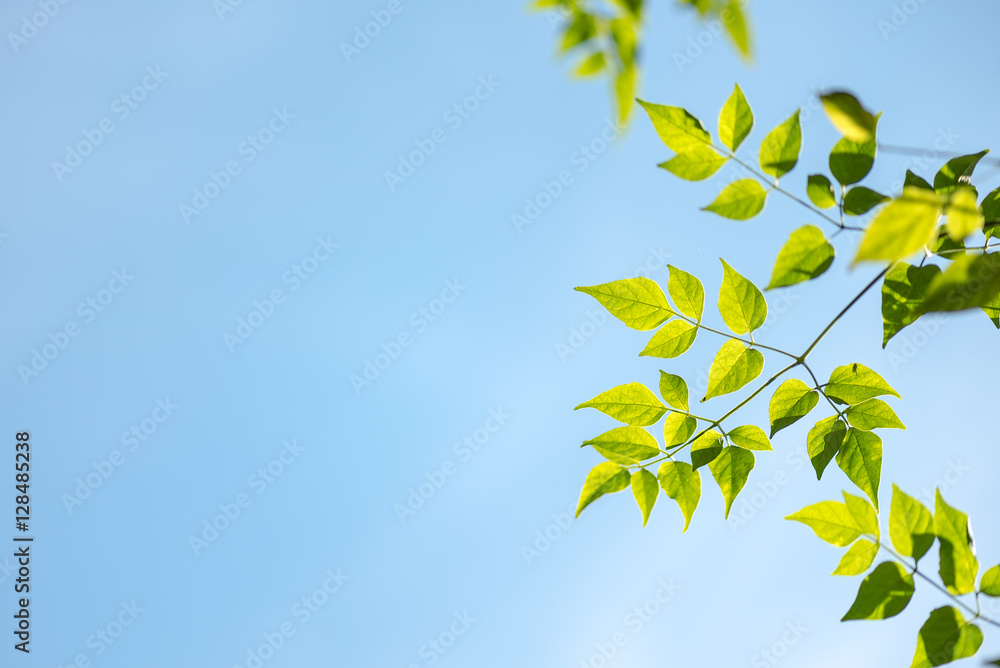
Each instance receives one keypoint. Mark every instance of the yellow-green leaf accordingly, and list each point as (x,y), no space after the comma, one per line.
(903,292)
(858,558)
(946,637)
(854,383)
(820,191)
(847,115)
(682,484)
(791,401)
(605,478)
(706,448)
(626,445)
(863,514)
(860,200)
(824,441)
(779,152)
(806,255)
(989,584)
(734,366)
(674,390)
(851,161)
(632,404)
(750,437)
(645,488)
(741,304)
(740,200)
(958,564)
(736,26)
(903,227)
(735,120)
(956,172)
(638,302)
(731,469)
(873,414)
(964,216)
(911,526)
(687,293)
(695,164)
(831,521)
(968,282)
(883,594)
(672,340)
(860,457)
(678,428)
(678,129)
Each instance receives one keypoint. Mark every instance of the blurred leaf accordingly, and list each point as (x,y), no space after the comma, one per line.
(695,164)
(860,200)
(848,116)
(956,171)
(591,65)
(903,227)
(736,26)
(968,282)
(851,161)
(903,291)
(946,637)
(963,213)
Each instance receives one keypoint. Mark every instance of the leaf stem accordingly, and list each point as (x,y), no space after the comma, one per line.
(751,342)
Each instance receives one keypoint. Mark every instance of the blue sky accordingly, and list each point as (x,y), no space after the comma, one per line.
(320,267)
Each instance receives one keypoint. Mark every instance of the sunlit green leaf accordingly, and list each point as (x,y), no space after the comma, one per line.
(605,478)
(741,304)
(860,200)
(873,414)
(903,292)
(831,521)
(645,488)
(750,437)
(632,404)
(911,525)
(851,161)
(968,282)
(956,171)
(735,22)
(638,302)
(674,390)
(624,87)
(958,564)
(678,428)
(806,255)
(591,65)
(903,227)
(864,514)
(990,582)
(860,457)
(791,401)
(779,152)
(858,559)
(735,120)
(820,191)
(963,213)
(687,293)
(672,340)
(731,469)
(946,637)
(916,181)
(824,441)
(883,594)
(626,445)
(734,366)
(854,383)
(847,115)
(682,484)
(695,164)
(678,129)
(740,200)
(706,448)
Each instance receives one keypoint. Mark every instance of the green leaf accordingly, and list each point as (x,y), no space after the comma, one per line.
(847,115)
(734,366)
(956,171)
(903,292)
(863,514)
(678,129)
(968,282)
(735,120)
(695,164)
(820,191)
(992,310)
(626,445)
(911,526)
(750,437)
(706,448)
(673,340)
(736,27)
(791,402)
(739,200)
(638,302)
(854,383)
(682,484)
(687,292)
(990,582)
(831,521)
(860,457)
(858,559)
(806,255)
(903,227)
(883,594)
(632,404)
(860,200)
(915,181)
(645,489)
(946,637)
(591,65)
(873,414)
(824,441)
(964,216)
(605,478)
(674,390)
(625,91)
(678,428)
(741,304)
(958,565)
(579,31)
(731,469)
(851,161)
(779,152)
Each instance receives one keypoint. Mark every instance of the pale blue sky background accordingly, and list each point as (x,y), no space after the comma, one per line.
(493,348)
